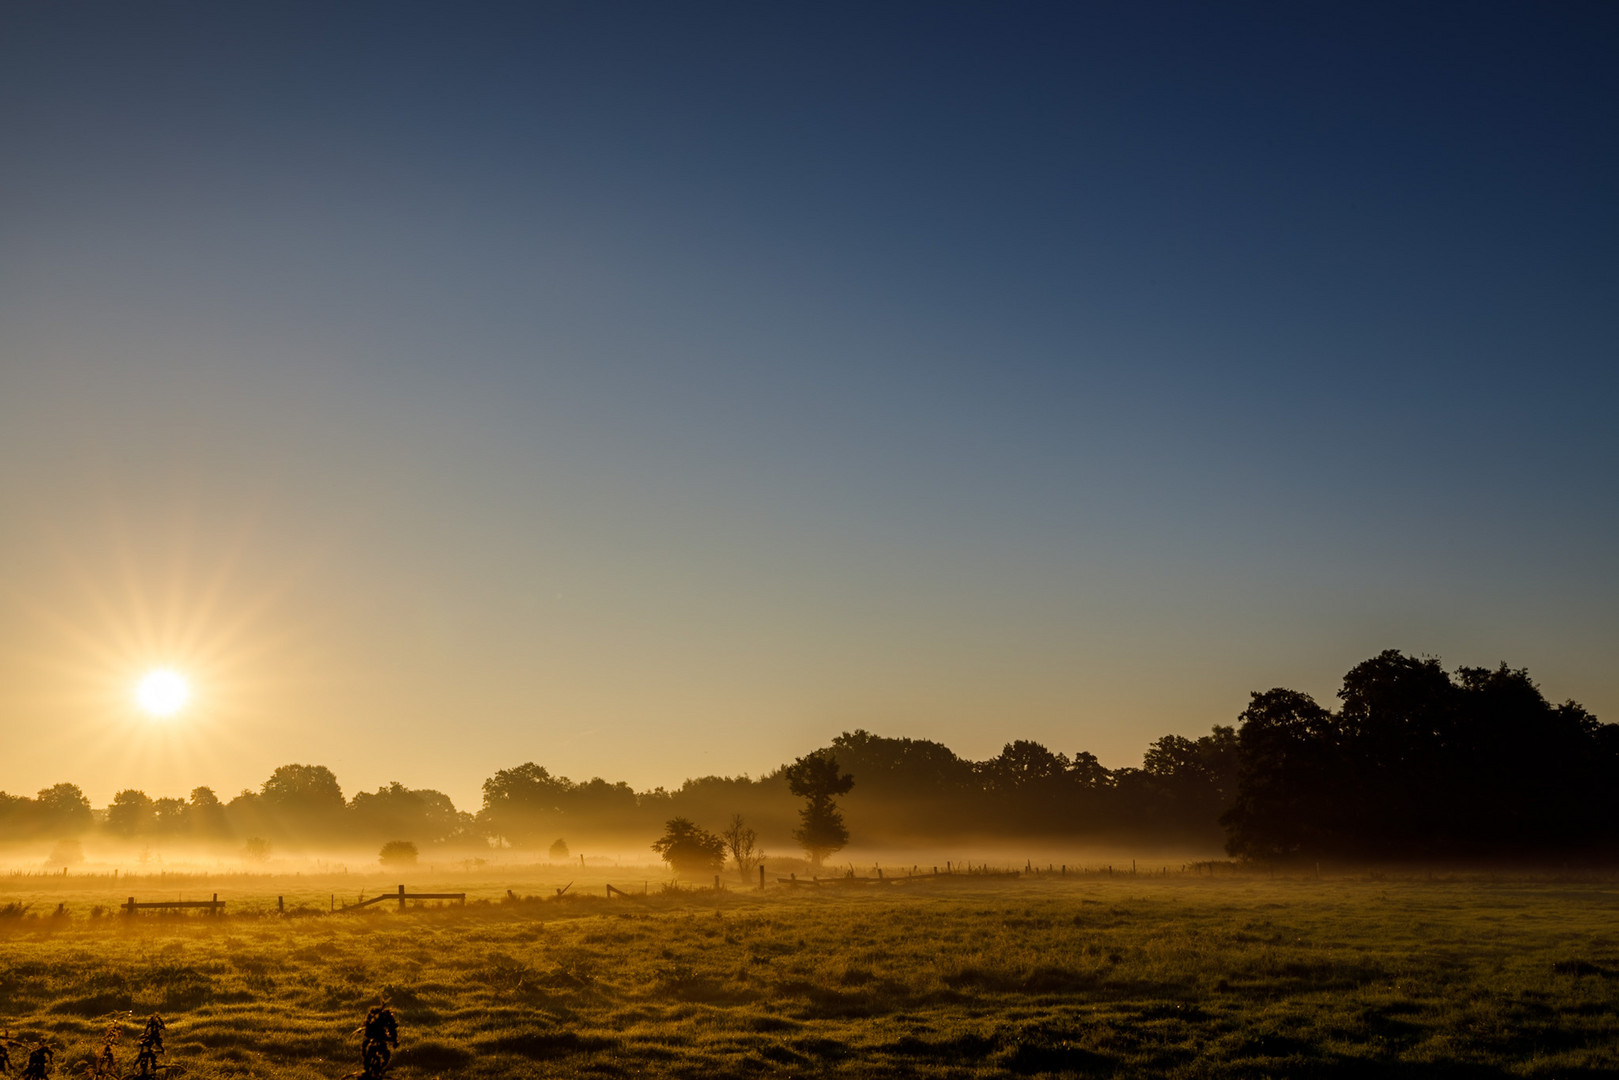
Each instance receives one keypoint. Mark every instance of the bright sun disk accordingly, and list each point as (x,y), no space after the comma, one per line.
(162,692)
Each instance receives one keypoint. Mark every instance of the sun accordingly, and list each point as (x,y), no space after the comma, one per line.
(162,692)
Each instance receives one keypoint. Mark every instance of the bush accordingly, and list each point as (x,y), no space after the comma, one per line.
(398,853)
(690,848)
(559,850)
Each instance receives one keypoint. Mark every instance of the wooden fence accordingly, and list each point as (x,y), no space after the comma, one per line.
(216,906)
(402,896)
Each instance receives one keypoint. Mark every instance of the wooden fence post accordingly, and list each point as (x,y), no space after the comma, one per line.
(761,877)
(401,898)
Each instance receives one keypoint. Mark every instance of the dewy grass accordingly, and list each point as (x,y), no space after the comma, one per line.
(1170,976)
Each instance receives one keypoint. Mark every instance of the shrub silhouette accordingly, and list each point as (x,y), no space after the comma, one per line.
(690,848)
(398,853)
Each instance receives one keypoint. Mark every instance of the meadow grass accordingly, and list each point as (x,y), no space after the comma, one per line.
(1178,976)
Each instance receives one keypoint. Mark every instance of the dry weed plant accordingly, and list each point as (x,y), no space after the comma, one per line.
(104,1066)
(39,1062)
(151,1045)
(378,1036)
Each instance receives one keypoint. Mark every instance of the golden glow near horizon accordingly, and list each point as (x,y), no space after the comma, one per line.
(162,692)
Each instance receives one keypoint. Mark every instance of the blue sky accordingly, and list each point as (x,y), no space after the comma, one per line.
(651,391)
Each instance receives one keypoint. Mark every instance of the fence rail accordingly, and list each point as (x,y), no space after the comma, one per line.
(402,896)
(214,906)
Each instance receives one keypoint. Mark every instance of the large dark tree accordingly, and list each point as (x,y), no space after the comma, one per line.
(207,814)
(1190,782)
(909,788)
(304,800)
(397,811)
(521,804)
(1288,757)
(817,779)
(130,813)
(62,810)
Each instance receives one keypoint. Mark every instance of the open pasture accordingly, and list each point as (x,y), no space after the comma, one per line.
(1178,976)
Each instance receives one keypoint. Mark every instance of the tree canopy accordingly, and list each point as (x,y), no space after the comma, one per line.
(816,779)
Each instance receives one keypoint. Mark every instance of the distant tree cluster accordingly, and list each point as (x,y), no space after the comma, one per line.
(57,811)
(297,804)
(913,789)
(1419,763)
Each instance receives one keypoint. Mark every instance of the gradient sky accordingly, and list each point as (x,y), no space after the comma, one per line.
(658,390)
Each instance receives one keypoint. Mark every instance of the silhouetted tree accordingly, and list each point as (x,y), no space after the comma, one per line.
(817,779)
(207,814)
(62,810)
(396,810)
(1534,770)
(1190,782)
(607,807)
(130,813)
(689,848)
(19,815)
(1088,773)
(909,788)
(1288,762)
(765,801)
(170,817)
(247,814)
(304,800)
(1027,785)
(1025,766)
(1419,764)
(743,844)
(521,804)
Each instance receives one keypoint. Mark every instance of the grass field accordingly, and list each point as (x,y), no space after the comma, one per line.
(1151,976)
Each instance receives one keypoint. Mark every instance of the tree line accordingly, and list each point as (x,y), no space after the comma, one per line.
(1420,763)
(1415,762)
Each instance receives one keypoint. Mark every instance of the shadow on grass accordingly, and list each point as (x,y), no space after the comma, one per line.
(435,1055)
(93,1005)
(544,1044)
(1377,1069)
